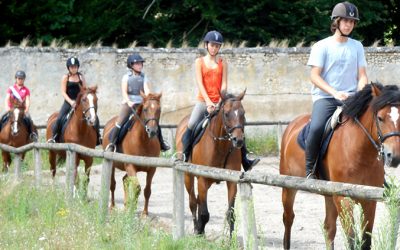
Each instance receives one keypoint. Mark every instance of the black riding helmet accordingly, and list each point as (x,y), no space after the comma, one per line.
(133,59)
(345,10)
(20,74)
(213,37)
(72,61)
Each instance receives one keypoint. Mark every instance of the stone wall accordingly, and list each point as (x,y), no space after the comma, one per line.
(276,79)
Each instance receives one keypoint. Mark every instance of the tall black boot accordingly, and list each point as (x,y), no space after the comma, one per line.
(113,137)
(311,161)
(55,131)
(29,125)
(187,141)
(99,140)
(164,146)
(246,162)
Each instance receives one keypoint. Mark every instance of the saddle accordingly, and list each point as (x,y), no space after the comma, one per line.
(126,126)
(326,138)
(64,122)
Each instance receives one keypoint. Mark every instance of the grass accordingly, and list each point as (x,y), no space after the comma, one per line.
(41,218)
(263,143)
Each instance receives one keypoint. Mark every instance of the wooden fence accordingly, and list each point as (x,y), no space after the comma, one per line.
(179,168)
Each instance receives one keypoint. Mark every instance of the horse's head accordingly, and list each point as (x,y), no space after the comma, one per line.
(386,108)
(16,115)
(381,104)
(233,117)
(150,113)
(86,102)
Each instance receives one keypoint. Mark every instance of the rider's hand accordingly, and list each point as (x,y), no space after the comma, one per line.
(73,104)
(130,104)
(210,108)
(340,95)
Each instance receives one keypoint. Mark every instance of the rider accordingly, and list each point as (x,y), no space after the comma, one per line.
(132,84)
(71,84)
(211,77)
(338,69)
(20,93)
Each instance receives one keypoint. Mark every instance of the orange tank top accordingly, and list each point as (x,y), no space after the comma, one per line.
(212,81)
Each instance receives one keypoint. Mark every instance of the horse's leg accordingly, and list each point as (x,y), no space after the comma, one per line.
(53,162)
(369,208)
(203,214)
(131,187)
(288,197)
(230,215)
(147,190)
(6,161)
(331,214)
(112,187)
(189,185)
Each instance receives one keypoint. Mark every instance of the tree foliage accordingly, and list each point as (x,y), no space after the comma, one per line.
(161,22)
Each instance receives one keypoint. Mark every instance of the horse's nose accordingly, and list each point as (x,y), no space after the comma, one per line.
(151,132)
(391,160)
(237,143)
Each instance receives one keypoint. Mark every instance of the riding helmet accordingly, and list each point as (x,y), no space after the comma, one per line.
(345,10)
(214,37)
(72,61)
(133,59)
(20,74)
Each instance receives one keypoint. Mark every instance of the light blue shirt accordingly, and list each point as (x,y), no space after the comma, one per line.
(340,63)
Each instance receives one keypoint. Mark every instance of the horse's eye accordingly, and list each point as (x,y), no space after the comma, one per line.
(380,119)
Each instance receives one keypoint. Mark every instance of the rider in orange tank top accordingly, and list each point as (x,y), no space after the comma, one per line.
(211,78)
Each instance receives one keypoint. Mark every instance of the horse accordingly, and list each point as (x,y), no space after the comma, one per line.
(14,133)
(369,128)
(80,129)
(140,140)
(219,147)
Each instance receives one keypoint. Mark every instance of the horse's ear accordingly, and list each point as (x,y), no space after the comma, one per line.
(142,94)
(93,88)
(158,96)
(223,95)
(241,95)
(375,91)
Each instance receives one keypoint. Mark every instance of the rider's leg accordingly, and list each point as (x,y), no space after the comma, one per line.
(246,162)
(187,139)
(56,129)
(122,117)
(322,110)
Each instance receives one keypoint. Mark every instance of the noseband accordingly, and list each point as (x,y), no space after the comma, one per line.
(145,121)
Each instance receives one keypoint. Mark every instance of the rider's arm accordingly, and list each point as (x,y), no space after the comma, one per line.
(6,102)
(200,85)
(320,83)
(362,78)
(84,85)
(224,86)
(124,91)
(27,103)
(64,90)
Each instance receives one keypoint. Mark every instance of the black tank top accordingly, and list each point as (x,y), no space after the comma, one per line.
(73,88)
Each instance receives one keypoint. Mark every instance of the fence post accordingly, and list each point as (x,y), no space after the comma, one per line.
(248,218)
(70,173)
(178,205)
(18,166)
(105,186)
(38,167)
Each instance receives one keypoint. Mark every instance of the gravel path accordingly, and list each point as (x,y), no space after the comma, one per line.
(309,209)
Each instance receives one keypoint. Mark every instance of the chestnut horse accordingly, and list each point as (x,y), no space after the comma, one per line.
(80,129)
(219,147)
(14,133)
(140,140)
(370,128)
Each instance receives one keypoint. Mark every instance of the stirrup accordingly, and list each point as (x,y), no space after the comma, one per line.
(311,176)
(111,146)
(33,137)
(165,146)
(51,140)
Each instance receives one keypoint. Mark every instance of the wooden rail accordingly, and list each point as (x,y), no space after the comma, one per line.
(179,169)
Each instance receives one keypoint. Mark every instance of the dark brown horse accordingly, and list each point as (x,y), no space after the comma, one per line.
(219,147)
(80,129)
(140,140)
(360,146)
(14,133)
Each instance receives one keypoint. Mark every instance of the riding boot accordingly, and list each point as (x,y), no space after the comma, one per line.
(113,137)
(311,161)
(246,162)
(99,140)
(187,141)
(164,146)
(29,125)
(55,131)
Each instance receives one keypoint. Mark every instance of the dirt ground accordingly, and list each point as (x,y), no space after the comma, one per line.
(309,209)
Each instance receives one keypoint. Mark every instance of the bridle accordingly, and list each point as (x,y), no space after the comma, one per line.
(228,130)
(146,120)
(381,137)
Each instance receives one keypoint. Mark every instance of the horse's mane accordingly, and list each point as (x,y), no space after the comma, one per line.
(357,104)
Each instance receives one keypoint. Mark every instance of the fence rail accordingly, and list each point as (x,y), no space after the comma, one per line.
(179,168)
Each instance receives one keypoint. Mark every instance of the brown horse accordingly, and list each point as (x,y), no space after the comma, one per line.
(14,133)
(140,140)
(370,128)
(80,129)
(219,147)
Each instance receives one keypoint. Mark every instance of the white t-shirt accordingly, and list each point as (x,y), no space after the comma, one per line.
(340,63)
